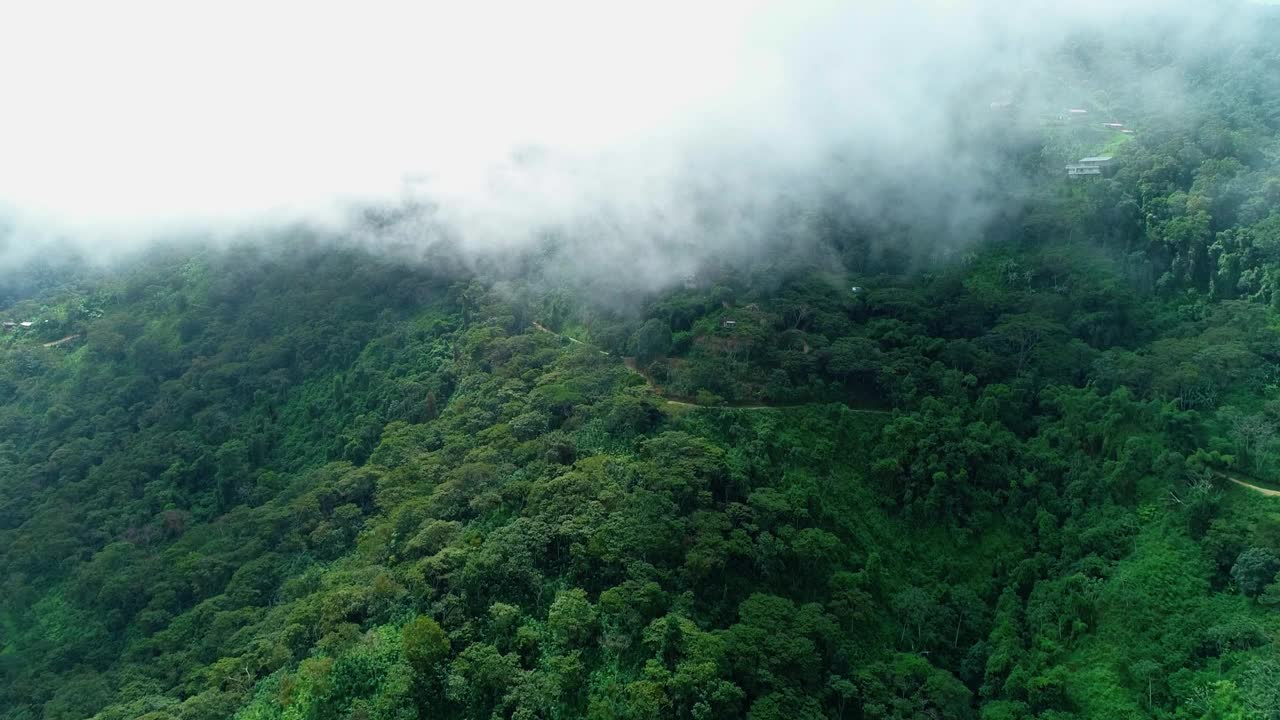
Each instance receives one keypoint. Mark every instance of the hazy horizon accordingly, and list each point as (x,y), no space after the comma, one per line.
(633,130)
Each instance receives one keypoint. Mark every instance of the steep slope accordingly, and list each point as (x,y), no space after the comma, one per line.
(327,486)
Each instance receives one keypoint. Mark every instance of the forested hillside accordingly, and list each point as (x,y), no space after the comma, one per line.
(1033,480)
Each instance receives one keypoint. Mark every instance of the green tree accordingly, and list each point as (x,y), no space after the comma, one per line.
(1254,570)
(572,618)
(652,341)
(426,646)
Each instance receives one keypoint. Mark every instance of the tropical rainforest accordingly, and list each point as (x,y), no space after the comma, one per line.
(1035,479)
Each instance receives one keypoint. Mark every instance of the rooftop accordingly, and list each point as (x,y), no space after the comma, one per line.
(1096,159)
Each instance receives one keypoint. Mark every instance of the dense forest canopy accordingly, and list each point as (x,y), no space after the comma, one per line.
(883,474)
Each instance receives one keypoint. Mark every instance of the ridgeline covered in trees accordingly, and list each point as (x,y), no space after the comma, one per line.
(313,482)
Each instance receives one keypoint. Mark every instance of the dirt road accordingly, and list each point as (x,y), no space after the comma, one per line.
(1265,491)
(630,364)
(66,339)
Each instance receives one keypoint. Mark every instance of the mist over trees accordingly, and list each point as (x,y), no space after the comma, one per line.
(1012,458)
(757,132)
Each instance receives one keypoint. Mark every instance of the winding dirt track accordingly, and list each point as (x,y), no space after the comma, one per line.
(66,339)
(1265,491)
(682,403)
(630,365)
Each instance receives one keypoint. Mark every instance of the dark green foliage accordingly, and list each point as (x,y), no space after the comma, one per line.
(652,341)
(461,516)
(1254,570)
(425,645)
(312,483)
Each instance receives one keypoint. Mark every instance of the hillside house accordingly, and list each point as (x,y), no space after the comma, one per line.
(1090,166)
(1078,170)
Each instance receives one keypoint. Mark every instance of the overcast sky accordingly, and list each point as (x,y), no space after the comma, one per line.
(124,110)
(126,119)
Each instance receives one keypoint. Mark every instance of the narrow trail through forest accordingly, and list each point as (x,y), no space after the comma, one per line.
(1265,491)
(630,364)
(66,339)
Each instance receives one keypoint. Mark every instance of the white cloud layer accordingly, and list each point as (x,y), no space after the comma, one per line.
(126,120)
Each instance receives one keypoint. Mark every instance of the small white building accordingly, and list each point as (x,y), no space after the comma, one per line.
(1089,166)
(1077,170)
